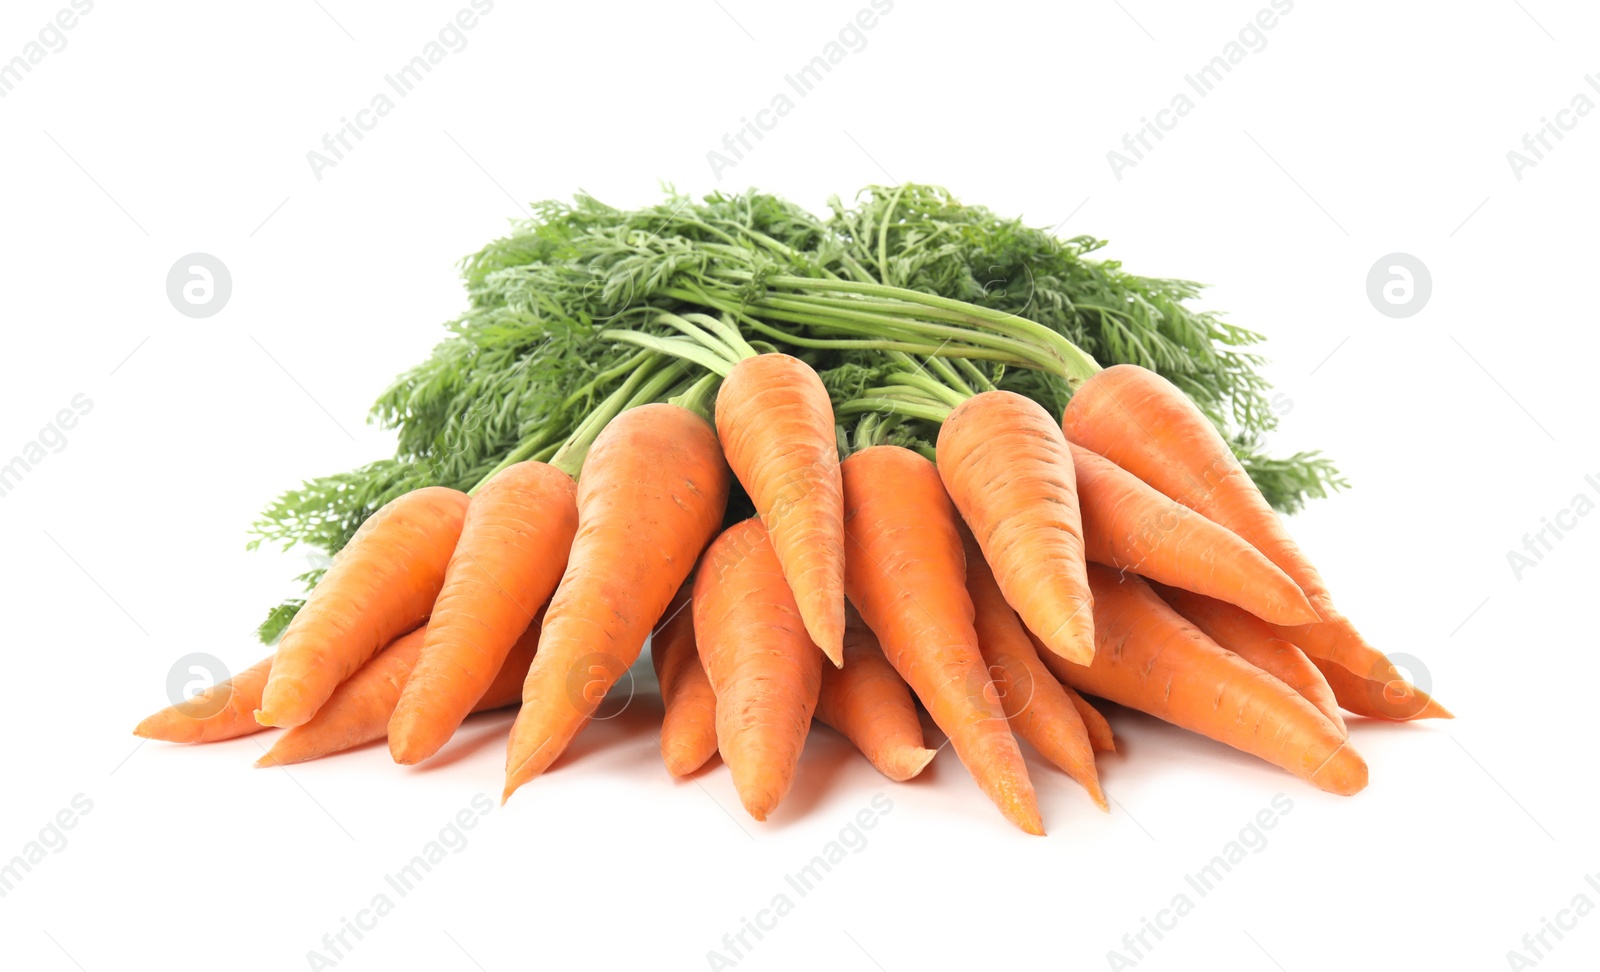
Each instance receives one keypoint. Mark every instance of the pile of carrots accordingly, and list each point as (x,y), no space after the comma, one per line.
(1118,552)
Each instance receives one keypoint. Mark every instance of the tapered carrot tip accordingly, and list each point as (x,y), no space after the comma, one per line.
(1410,703)
(406,750)
(1097,795)
(904,764)
(1027,818)
(159,726)
(1344,773)
(1074,639)
(685,758)
(1433,710)
(291,693)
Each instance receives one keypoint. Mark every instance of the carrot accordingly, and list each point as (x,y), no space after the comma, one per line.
(775,423)
(513,547)
(1035,703)
(764,668)
(382,585)
(1130,526)
(905,572)
(1374,695)
(1009,472)
(1256,642)
(651,496)
(1153,660)
(359,710)
(1146,425)
(1100,738)
(869,703)
(689,729)
(222,711)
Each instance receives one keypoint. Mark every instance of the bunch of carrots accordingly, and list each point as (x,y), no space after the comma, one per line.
(794,552)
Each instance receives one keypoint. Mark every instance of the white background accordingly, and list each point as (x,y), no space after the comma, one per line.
(1361,129)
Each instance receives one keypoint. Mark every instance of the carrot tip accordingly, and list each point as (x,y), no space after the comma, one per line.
(1433,710)
(907,763)
(405,754)
(683,760)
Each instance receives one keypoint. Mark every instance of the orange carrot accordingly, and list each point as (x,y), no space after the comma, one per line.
(1100,737)
(1130,526)
(382,585)
(513,547)
(1256,642)
(650,497)
(1034,701)
(1377,695)
(359,710)
(223,711)
(1146,425)
(689,729)
(905,572)
(1153,660)
(775,422)
(870,704)
(764,668)
(1009,472)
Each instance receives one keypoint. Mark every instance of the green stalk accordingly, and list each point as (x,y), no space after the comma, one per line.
(642,387)
(929,386)
(931,412)
(1077,364)
(972,371)
(699,397)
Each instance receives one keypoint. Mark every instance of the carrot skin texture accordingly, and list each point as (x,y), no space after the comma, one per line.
(689,727)
(1153,660)
(775,422)
(359,710)
(1100,736)
(513,547)
(224,711)
(1035,703)
(1256,642)
(650,497)
(382,585)
(1008,470)
(868,702)
(1146,425)
(764,667)
(906,573)
(1129,525)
